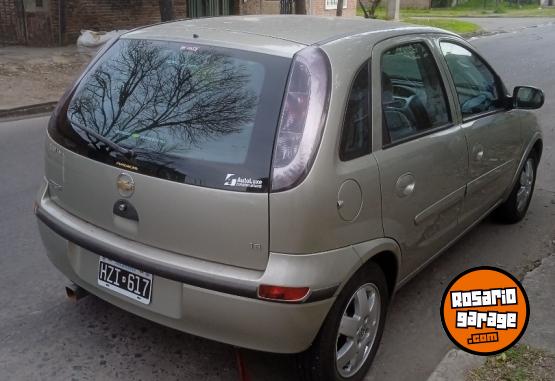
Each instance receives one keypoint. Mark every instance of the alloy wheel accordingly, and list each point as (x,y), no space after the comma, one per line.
(357,330)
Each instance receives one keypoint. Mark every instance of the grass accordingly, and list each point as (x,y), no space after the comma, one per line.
(504,10)
(457,26)
(473,8)
(440,17)
(520,363)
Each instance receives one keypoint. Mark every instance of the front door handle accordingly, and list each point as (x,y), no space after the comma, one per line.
(405,185)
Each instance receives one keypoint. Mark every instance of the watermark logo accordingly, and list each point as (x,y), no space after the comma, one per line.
(485,310)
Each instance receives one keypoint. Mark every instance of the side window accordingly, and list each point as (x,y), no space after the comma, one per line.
(477,88)
(355,139)
(413,93)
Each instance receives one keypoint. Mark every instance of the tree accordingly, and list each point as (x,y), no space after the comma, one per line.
(166,10)
(339,8)
(369,13)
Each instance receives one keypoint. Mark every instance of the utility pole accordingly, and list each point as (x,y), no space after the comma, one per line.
(392,10)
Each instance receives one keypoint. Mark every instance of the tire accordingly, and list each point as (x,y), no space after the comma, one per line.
(514,209)
(319,362)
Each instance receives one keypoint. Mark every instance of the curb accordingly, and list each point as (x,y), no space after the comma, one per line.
(40,108)
(479,33)
(455,365)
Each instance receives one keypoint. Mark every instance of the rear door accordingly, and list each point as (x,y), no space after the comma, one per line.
(422,155)
(170,144)
(492,131)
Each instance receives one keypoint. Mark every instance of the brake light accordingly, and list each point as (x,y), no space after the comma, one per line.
(302,118)
(282,294)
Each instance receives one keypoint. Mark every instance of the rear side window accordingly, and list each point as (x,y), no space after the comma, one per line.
(355,139)
(190,113)
(477,87)
(413,93)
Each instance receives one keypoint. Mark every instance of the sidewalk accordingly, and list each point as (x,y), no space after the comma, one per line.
(30,76)
(540,287)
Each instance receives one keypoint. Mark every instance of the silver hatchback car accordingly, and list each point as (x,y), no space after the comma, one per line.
(269,181)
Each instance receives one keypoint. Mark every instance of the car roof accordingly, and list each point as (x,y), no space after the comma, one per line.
(277,34)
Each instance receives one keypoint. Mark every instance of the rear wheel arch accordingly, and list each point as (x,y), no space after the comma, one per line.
(386,260)
(388,263)
(384,252)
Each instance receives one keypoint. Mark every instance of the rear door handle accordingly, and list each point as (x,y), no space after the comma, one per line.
(405,185)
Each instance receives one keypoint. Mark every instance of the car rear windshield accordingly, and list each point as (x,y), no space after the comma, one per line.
(185,112)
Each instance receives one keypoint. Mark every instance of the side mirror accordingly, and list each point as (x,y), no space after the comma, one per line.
(527,97)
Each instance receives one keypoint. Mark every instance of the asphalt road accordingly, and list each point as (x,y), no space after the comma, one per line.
(44,336)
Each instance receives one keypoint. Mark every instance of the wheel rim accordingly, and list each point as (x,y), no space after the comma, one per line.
(357,330)
(526,181)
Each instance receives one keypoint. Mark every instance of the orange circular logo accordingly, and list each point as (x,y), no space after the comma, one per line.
(485,310)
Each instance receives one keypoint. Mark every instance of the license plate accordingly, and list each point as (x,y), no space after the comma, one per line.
(125,280)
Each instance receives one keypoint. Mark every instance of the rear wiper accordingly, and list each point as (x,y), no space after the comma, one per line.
(116,147)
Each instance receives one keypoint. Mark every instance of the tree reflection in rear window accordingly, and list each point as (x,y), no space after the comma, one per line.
(198,111)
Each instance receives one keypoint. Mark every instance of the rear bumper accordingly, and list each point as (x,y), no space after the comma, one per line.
(202,298)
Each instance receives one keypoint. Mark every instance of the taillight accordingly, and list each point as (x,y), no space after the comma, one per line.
(302,118)
(283,294)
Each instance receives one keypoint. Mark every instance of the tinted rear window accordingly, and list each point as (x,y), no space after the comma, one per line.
(191,113)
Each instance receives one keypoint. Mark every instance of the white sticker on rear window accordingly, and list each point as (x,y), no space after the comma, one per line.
(189,48)
(233,180)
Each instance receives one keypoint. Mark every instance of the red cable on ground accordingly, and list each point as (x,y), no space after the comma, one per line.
(241,368)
